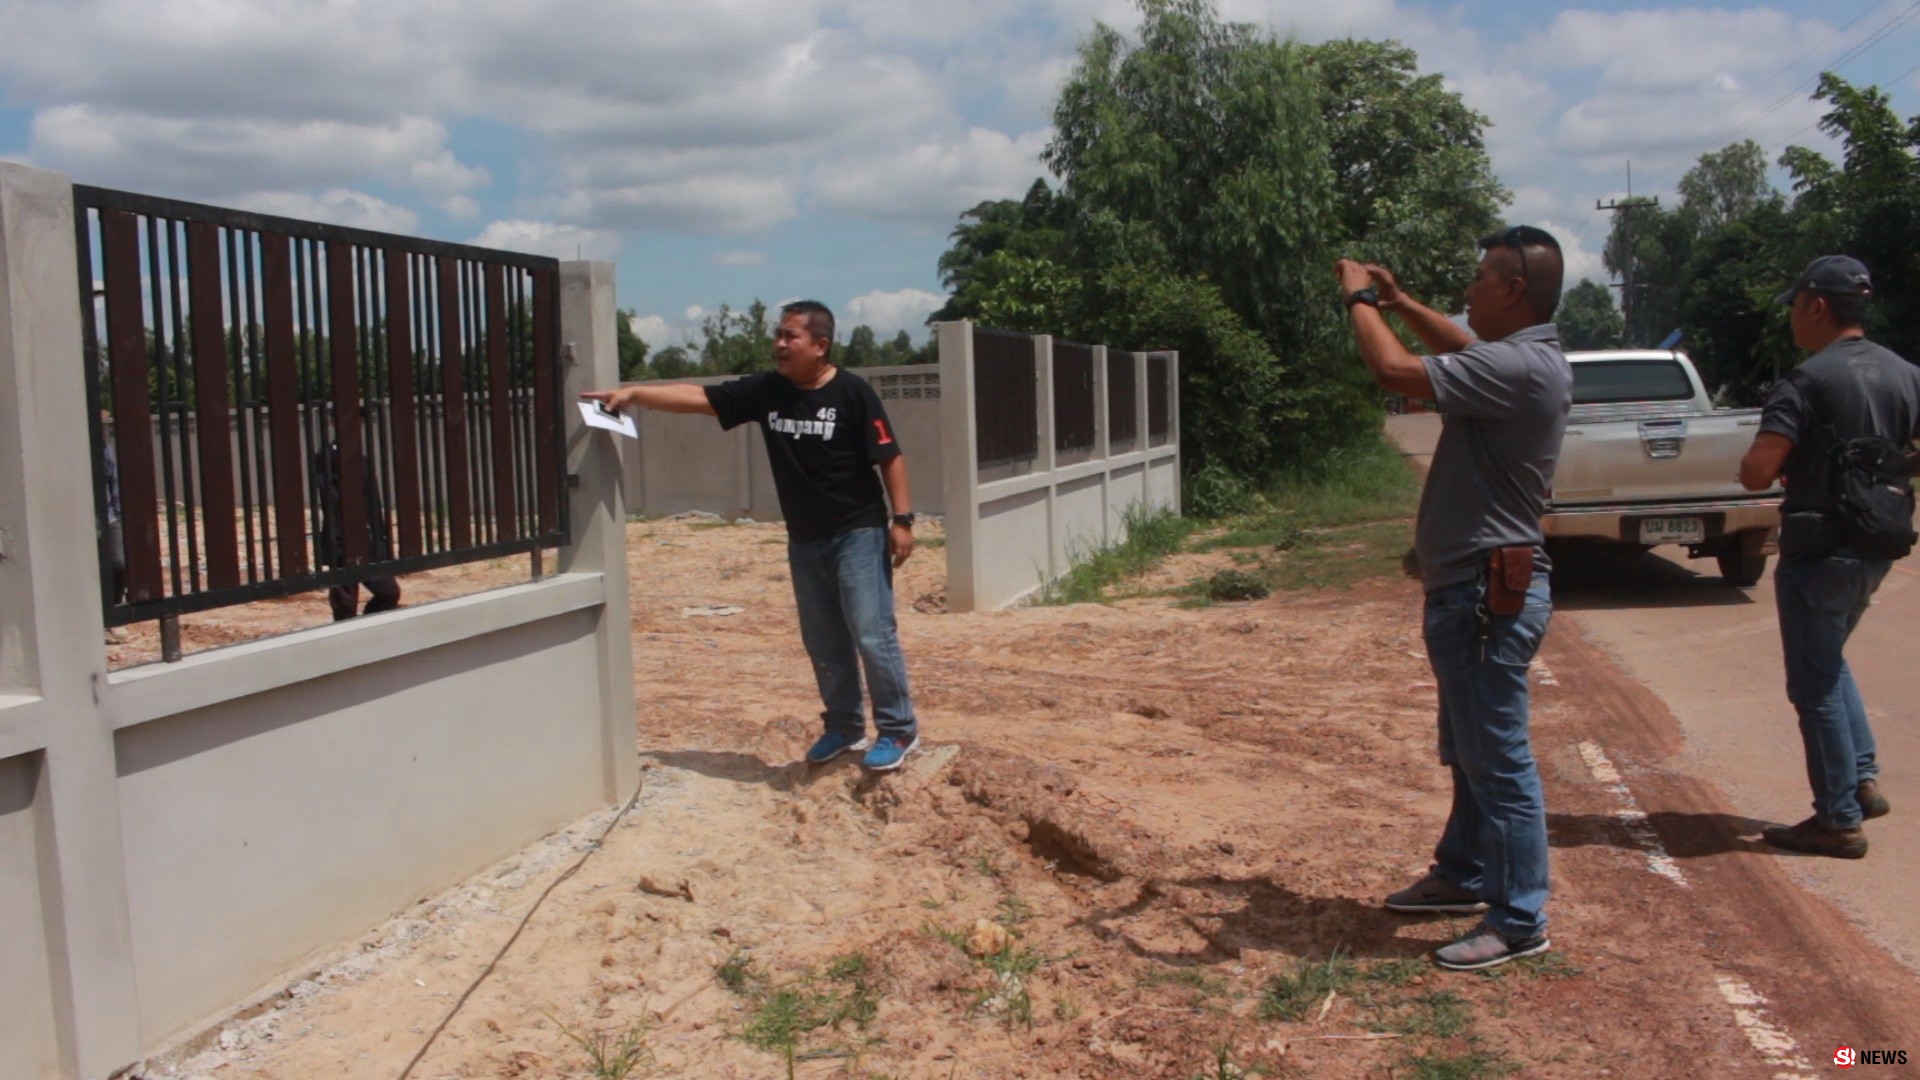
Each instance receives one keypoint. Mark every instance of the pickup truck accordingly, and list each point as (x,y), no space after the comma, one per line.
(1648,460)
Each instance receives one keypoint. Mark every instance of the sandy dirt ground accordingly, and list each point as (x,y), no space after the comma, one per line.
(1124,824)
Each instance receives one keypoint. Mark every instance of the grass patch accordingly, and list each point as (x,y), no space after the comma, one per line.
(1473,1065)
(1291,995)
(1348,520)
(1227,586)
(931,542)
(1441,1014)
(609,1058)
(1204,985)
(1150,538)
(781,1018)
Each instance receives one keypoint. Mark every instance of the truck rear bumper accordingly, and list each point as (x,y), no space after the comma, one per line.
(1622,523)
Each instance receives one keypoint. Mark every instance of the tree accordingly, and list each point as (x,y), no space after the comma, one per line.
(1410,164)
(860,350)
(633,350)
(1207,178)
(1587,317)
(1724,186)
(673,362)
(737,342)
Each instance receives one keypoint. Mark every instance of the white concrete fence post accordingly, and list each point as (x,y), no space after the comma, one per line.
(591,350)
(1044,460)
(1102,439)
(960,459)
(53,663)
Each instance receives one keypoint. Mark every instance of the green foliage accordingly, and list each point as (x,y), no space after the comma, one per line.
(1472,1065)
(1208,176)
(1292,994)
(1588,319)
(782,1017)
(1150,537)
(1226,586)
(610,1058)
(633,349)
(1712,264)
(737,342)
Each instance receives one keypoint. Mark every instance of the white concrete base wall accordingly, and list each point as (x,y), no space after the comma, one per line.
(262,830)
(31,1049)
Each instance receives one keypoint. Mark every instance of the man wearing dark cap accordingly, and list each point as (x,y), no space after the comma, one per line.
(1503,391)
(1849,389)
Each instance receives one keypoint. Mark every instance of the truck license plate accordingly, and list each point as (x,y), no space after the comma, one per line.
(1672,530)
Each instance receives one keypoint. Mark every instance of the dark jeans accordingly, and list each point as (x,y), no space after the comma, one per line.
(383,594)
(1820,601)
(843,587)
(1495,842)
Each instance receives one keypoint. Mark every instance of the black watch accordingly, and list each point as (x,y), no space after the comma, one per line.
(1363,296)
(905,520)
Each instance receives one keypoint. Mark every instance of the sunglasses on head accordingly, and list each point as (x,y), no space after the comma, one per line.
(1519,238)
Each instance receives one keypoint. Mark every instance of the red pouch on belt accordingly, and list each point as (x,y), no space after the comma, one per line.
(1509,573)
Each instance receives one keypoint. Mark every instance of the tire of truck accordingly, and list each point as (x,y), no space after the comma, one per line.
(1741,569)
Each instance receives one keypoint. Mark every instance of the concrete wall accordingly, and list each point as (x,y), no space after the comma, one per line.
(175,838)
(1014,529)
(683,462)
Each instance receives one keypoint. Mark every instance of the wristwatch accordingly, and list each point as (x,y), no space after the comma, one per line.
(905,520)
(1363,296)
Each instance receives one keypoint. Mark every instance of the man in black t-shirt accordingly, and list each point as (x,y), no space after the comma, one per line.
(1850,388)
(826,433)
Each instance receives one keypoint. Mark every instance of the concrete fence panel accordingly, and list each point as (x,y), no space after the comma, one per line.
(176,838)
(1013,527)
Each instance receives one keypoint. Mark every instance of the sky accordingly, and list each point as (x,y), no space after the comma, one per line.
(719,151)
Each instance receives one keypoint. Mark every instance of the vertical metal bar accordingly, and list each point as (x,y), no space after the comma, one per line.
(367,388)
(283,408)
(548,430)
(431,432)
(175,450)
(525,425)
(235,340)
(256,399)
(476,376)
(352,489)
(98,395)
(132,415)
(453,404)
(210,397)
(499,403)
(170,638)
(307,319)
(400,354)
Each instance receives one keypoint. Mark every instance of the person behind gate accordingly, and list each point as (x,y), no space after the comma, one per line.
(1850,393)
(826,432)
(1503,393)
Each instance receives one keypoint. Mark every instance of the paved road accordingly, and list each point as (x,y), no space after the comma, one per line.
(1711,653)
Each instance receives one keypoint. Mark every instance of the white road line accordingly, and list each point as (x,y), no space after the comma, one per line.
(1543,674)
(1773,1045)
(1632,818)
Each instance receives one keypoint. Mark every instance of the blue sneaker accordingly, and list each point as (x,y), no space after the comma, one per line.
(888,752)
(835,743)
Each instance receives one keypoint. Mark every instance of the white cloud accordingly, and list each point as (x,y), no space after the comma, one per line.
(739,258)
(338,206)
(932,182)
(655,330)
(559,240)
(694,313)
(890,312)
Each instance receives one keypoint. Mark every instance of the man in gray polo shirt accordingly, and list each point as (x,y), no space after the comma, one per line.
(1503,393)
(1849,388)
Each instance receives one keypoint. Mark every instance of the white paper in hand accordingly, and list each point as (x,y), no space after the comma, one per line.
(596,415)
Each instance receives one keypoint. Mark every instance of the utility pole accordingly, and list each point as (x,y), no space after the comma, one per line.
(1626,206)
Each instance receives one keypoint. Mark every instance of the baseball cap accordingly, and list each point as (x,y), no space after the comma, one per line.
(1841,274)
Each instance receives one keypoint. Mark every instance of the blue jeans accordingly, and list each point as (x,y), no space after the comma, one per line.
(1495,842)
(843,587)
(1820,602)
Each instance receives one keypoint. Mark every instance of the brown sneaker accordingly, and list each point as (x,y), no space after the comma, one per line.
(1435,893)
(1872,803)
(1812,838)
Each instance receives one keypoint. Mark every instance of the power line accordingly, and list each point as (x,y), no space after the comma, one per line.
(1789,139)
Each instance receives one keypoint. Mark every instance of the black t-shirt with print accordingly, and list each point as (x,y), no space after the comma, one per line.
(1851,388)
(823,444)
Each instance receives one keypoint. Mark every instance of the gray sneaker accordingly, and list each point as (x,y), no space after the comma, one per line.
(1485,947)
(1434,893)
